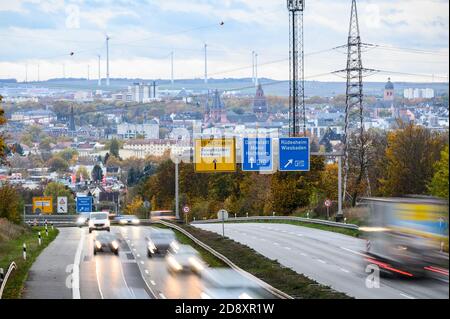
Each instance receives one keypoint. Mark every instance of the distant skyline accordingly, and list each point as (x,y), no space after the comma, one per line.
(42,34)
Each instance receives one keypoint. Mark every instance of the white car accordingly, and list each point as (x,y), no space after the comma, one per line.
(99,221)
(183,258)
(128,220)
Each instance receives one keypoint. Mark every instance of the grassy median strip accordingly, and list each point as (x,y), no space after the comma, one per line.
(211,260)
(270,271)
(12,249)
(344,231)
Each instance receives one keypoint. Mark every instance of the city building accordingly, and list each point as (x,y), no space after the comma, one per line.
(130,131)
(260,103)
(216,112)
(416,93)
(143,148)
(389,91)
(143,93)
(34,117)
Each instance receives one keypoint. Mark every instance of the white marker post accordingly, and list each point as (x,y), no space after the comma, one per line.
(24,251)
(39,238)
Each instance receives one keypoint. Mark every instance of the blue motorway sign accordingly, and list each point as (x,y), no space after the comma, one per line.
(294,154)
(257,154)
(84,204)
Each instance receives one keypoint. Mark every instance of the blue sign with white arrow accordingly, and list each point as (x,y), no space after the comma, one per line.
(84,204)
(257,154)
(294,154)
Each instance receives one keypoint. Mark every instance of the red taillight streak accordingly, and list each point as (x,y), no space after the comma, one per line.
(388,267)
(438,270)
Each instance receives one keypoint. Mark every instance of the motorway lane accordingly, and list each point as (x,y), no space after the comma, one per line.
(329,258)
(154,270)
(50,273)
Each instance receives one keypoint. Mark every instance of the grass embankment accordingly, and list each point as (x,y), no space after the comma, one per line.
(211,260)
(345,231)
(12,238)
(270,271)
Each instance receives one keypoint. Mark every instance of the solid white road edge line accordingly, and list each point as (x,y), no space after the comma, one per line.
(76,268)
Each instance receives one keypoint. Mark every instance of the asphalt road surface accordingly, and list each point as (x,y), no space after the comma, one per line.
(130,275)
(329,258)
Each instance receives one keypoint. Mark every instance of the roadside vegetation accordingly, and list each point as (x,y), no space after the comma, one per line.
(12,238)
(270,271)
(211,260)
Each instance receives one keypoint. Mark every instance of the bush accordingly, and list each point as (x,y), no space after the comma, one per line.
(10,204)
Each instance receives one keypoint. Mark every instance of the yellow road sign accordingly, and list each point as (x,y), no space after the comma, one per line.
(43,205)
(215,155)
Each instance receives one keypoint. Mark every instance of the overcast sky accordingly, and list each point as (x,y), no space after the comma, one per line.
(143,33)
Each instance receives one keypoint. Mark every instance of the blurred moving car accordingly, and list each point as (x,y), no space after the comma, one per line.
(104,242)
(407,236)
(184,258)
(83,219)
(159,242)
(128,220)
(99,221)
(226,283)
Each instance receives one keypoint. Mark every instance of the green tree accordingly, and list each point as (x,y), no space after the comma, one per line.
(97,173)
(55,190)
(68,154)
(10,204)
(439,184)
(82,171)
(2,142)
(57,164)
(114,148)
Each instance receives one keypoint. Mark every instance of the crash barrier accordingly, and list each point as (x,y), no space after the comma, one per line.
(276,292)
(280,218)
(4,277)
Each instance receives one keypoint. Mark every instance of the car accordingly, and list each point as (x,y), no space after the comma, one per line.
(227,283)
(103,242)
(183,258)
(83,220)
(128,220)
(99,221)
(159,241)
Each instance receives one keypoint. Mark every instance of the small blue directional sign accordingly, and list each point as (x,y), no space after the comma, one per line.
(294,154)
(257,154)
(84,204)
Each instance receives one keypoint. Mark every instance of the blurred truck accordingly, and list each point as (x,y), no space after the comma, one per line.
(408,235)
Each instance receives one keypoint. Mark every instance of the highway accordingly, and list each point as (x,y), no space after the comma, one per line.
(130,275)
(329,258)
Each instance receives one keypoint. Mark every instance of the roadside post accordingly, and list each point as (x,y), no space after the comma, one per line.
(273,214)
(186,211)
(222,215)
(39,238)
(46,231)
(247,215)
(328,204)
(24,251)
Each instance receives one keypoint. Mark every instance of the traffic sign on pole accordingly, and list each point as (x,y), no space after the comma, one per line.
(215,155)
(43,205)
(257,154)
(186,209)
(328,203)
(62,205)
(84,204)
(294,154)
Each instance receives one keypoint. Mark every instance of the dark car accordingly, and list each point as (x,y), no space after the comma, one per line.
(159,242)
(106,242)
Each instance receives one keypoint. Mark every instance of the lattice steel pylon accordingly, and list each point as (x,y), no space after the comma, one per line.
(354,107)
(297,113)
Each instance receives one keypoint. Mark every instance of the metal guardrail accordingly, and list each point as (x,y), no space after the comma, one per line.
(224,259)
(12,266)
(290,218)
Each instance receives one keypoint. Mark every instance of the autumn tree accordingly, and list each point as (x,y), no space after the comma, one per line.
(410,157)
(82,172)
(57,164)
(97,173)
(439,184)
(10,204)
(2,142)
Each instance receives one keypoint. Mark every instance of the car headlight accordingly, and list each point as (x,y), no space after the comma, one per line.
(196,264)
(152,247)
(98,244)
(174,264)
(115,244)
(245,296)
(81,220)
(123,221)
(174,245)
(136,221)
(107,223)
(91,223)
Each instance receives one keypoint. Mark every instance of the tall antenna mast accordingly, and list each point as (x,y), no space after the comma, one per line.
(297,113)
(206,63)
(107,60)
(171,68)
(99,74)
